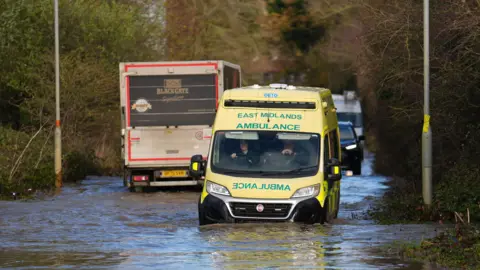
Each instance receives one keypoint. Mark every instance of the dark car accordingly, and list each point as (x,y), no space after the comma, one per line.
(352,148)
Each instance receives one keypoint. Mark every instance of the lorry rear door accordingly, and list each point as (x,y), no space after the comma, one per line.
(168,114)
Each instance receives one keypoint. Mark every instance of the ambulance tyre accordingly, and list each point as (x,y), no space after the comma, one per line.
(202,219)
(323,214)
(229,219)
(357,168)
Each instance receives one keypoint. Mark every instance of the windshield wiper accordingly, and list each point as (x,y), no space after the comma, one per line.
(302,169)
(291,171)
(240,172)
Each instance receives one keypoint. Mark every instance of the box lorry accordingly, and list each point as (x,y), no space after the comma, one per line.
(167,112)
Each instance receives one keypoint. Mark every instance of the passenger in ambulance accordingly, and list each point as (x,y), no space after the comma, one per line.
(288,148)
(298,154)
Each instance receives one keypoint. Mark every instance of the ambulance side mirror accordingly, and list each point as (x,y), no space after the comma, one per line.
(333,170)
(197,166)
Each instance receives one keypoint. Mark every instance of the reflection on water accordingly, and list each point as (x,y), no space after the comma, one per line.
(66,259)
(99,225)
(267,245)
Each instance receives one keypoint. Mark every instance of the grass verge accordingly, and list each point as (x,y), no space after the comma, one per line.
(456,248)
(456,201)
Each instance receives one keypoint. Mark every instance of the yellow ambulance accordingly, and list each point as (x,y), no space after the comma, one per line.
(274,156)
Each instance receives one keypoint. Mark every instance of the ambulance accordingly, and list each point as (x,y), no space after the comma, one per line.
(274,156)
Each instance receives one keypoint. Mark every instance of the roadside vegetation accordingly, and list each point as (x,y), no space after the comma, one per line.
(94,37)
(390,68)
(393,58)
(457,248)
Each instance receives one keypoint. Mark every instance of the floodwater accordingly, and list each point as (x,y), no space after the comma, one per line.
(98,224)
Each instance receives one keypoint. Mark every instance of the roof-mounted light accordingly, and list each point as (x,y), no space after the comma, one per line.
(278,85)
(256,86)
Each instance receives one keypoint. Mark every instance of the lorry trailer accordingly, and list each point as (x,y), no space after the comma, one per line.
(167,112)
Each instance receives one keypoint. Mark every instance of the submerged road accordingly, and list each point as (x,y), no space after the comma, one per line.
(98,224)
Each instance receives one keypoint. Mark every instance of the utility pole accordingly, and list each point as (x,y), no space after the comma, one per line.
(427,132)
(58,134)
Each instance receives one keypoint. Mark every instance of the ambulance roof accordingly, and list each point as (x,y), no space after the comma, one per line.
(280,91)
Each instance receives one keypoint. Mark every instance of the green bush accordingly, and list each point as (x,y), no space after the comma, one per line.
(392,65)
(456,248)
(460,191)
(94,37)
(27,163)
(78,165)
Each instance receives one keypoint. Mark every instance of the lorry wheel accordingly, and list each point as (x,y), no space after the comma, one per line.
(357,168)
(136,189)
(126,177)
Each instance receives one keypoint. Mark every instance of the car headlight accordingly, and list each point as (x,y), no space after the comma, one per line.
(307,191)
(217,189)
(350,147)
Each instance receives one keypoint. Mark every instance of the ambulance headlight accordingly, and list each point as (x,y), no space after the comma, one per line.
(217,189)
(350,147)
(307,191)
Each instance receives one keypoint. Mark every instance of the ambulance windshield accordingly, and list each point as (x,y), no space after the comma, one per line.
(265,153)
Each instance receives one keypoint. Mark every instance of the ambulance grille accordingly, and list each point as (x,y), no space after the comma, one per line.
(278,210)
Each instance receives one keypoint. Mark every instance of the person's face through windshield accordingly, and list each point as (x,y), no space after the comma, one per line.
(244,146)
(288,147)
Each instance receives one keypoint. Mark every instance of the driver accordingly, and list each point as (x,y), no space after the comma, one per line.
(245,154)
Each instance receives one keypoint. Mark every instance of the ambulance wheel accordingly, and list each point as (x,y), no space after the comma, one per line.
(229,219)
(323,214)
(202,219)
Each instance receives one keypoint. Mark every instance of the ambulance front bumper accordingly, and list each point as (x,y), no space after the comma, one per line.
(220,208)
